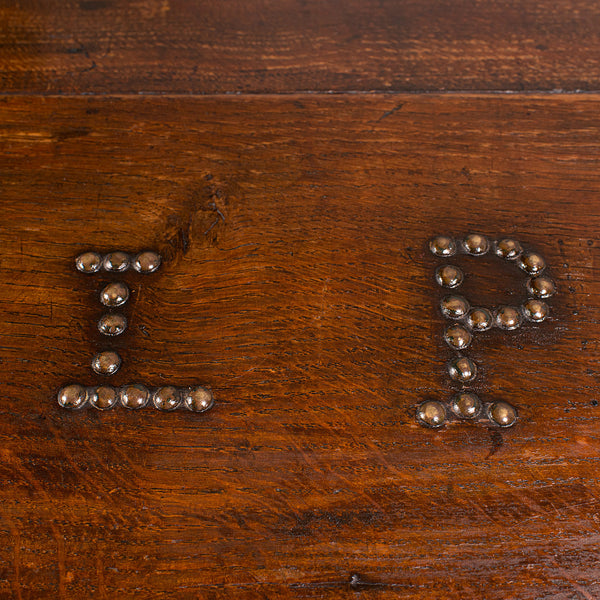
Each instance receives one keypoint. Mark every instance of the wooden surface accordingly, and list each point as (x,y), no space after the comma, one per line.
(281,46)
(297,285)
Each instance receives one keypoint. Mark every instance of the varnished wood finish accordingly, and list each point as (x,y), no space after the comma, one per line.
(192,46)
(297,285)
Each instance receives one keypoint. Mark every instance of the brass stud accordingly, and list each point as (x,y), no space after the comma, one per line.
(454,307)
(104,397)
(442,245)
(116,262)
(449,276)
(166,398)
(462,369)
(457,337)
(134,396)
(508,317)
(114,294)
(72,396)
(466,405)
(106,363)
(535,310)
(541,287)
(475,244)
(480,319)
(508,249)
(112,324)
(146,262)
(532,263)
(88,262)
(502,414)
(198,399)
(431,413)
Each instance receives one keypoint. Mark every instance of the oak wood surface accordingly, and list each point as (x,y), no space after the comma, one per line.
(282,46)
(297,285)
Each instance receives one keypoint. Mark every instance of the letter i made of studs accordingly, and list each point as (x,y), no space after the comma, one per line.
(113,297)
(466,321)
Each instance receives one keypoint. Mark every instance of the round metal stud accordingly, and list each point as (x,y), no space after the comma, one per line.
(146,262)
(88,262)
(454,307)
(134,396)
(502,414)
(442,245)
(449,276)
(508,249)
(72,396)
(104,397)
(114,294)
(462,369)
(106,363)
(112,324)
(535,310)
(532,263)
(475,244)
(431,413)
(116,262)
(480,319)
(466,405)
(541,287)
(166,398)
(508,317)
(198,399)
(457,337)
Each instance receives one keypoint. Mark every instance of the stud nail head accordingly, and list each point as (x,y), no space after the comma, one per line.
(72,396)
(475,244)
(112,324)
(480,319)
(134,396)
(88,262)
(104,397)
(114,294)
(106,362)
(466,405)
(462,369)
(166,398)
(508,249)
(535,310)
(457,337)
(198,399)
(454,306)
(116,262)
(449,276)
(541,287)
(502,414)
(532,263)
(442,245)
(508,317)
(431,413)
(146,262)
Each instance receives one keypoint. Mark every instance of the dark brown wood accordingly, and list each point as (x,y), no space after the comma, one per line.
(297,285)
(281,46)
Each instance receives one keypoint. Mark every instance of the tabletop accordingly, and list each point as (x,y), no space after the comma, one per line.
(290,163)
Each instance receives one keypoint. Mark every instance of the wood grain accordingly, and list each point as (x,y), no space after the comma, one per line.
(282,46)
(296,285)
